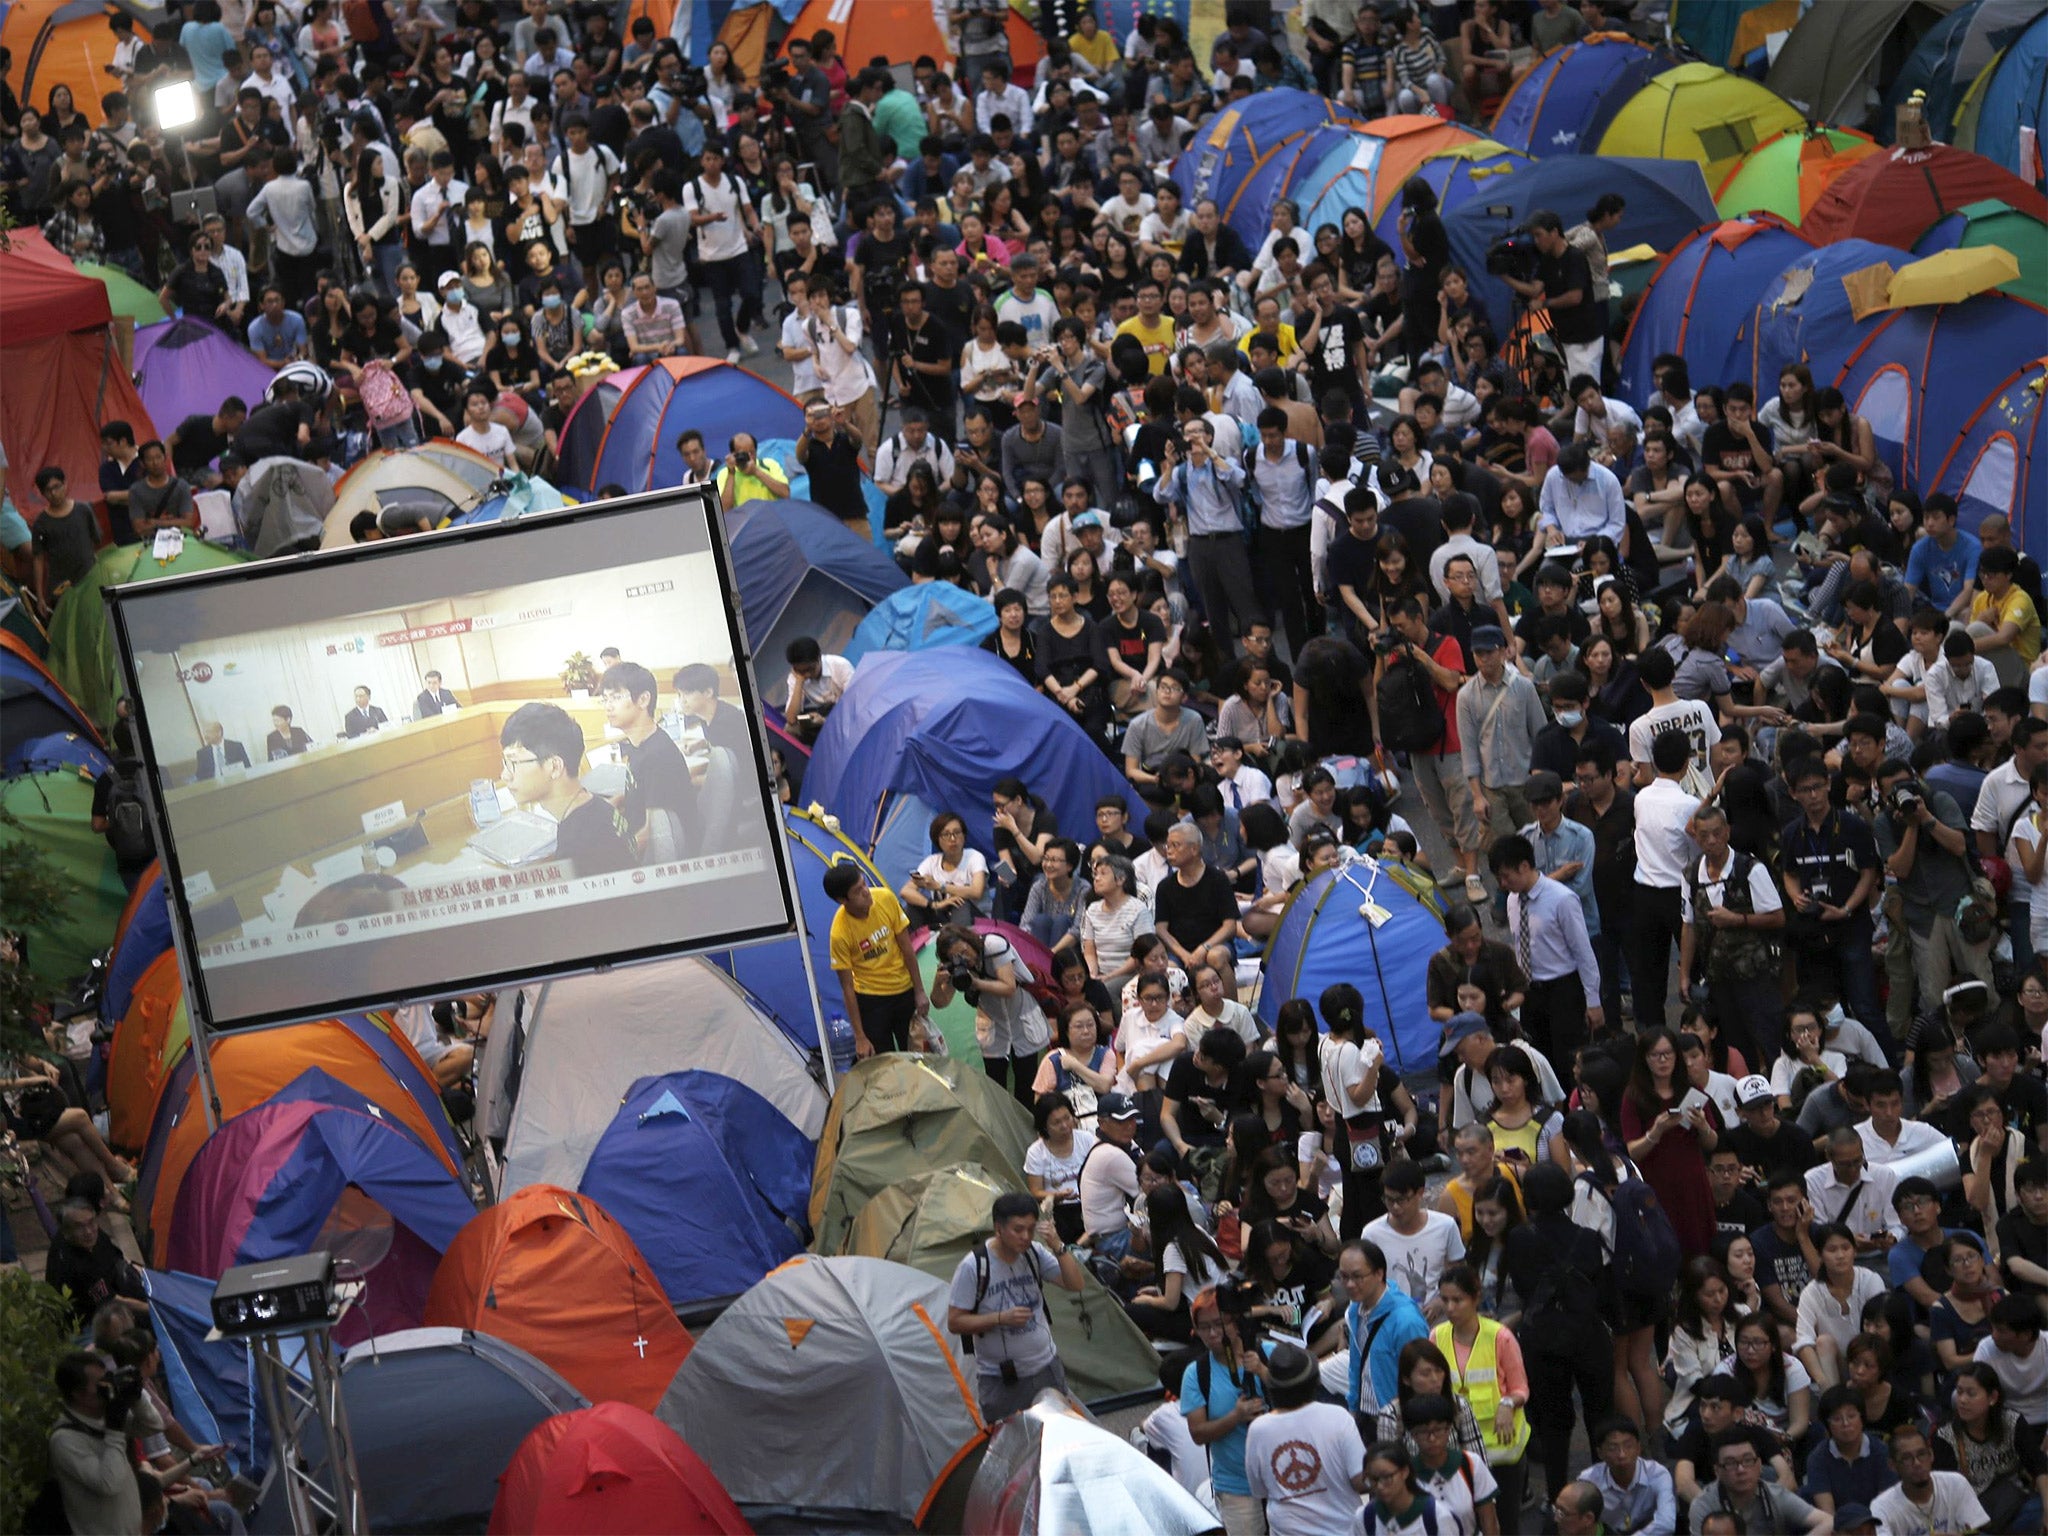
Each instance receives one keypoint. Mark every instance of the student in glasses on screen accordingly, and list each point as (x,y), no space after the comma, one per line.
(661,802)
(433,699)
(285,739)
(364,718)
(543,756)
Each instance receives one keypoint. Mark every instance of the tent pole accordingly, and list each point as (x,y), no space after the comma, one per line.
(803,936)
(202,1026)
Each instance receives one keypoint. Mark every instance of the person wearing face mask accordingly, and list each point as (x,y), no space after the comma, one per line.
(1558,744)
(435,379)
(512,366)
(460,322)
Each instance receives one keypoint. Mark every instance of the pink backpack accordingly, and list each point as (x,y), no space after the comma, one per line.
(386,400)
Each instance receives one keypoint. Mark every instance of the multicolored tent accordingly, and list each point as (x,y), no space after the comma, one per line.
(319,1167)
(1564,102)
(187,367)
(49,809)
(153,1029)
(1930,70)
(439,480)
(33,706)
(2011,95)
(1473,171)
(1368,172)
(62,42)
(1787,173)
(1237,142)
(82,655)
(1250,212)
(1807,315)
(1840,48)
(1722,31)
(549,1270)
(630,439)
(611,1468)
(1994,223)
(1900,194)
(1700,113)
(1702,300)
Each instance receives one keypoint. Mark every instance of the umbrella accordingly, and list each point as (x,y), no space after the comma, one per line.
(1949,277)
(125,295)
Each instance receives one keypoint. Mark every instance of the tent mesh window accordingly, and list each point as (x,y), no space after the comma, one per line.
(1728,141)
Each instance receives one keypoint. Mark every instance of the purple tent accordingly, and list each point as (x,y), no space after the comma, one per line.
(187,367)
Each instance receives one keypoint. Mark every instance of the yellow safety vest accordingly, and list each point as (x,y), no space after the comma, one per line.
(1462,1198)
(1479,1385)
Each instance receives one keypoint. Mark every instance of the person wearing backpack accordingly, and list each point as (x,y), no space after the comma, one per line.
(120,814)
(1732,914)
(998,1308)
(1221,1393)
(1416,677)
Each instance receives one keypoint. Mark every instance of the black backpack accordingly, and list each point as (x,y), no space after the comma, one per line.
(1410,718)
(981,1271)
(128,832)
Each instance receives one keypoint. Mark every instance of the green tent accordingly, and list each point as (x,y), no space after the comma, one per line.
(900,1114)
(1993,222)
(1787,173)
(52,811)
(930,1221)
(125,294)
(956,1020)
(81,644)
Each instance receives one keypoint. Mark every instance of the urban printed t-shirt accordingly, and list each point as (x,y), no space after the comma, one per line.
(1022,1284)
(867,946)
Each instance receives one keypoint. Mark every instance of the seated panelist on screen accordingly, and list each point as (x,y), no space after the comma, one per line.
(218,754)
(433,699)
(660,802)
(285,739)
(543,758)
(364,718)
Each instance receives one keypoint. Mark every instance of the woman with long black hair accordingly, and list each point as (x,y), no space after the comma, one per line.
(1188,1261)
(1350,1061)
(1427,250)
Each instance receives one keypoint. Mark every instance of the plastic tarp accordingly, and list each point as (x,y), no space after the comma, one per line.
(923,617)
(32,705)
(637,448)
(318,1167)
(1829,60)
(1325,937)
(212,1382)
(550,1271)
(1804,315)
(282,506)
(1564,102)
(899,1114)
(552,1081)
(1667,200)
(1994,223)
(1700,113)
(1901,194)
(50,810)
(423,1467)
(1702,300)
(1474,171)
(800,571)
(2015,97)
(81,641)
(944,726)
(1050,1471)
(1786,174)
(186,367)
(866,1337)
(930,1221)
(612,1468)
(708,1178)
(773,974)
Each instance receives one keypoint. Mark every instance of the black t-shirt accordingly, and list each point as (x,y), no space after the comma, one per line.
(1351,563)
(1788,1147)
(443,386)
(1742,1215)
(1432,243)
(661,782)
(1420,521)
(1135,643)
(1724,448)
(953,308)
(2025,1103)
(1329,363)
(1581,626)
(198,445)
(92,1279)
(1203,1110)
(1379,314)
(1192,914)
(2019,1238)
(834,469)
(930,343)
(272,430)
(593,839)
(198,293)
(1561,274)
(882,264)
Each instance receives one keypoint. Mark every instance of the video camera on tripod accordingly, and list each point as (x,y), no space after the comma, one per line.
(1514,256)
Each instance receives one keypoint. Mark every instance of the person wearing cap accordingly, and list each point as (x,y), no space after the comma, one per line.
(1032,447)
(1765,1142)
(1221,1395)
(1564,848)
(997,1307)
(1499,716)
(1547,927)
(1304,1459)
(1108,1180)
(1921,1499)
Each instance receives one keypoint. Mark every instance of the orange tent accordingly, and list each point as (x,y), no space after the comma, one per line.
(902,30)
(366,1051)
(550,1271)
(153,1030)
(1411,139)
(64,42)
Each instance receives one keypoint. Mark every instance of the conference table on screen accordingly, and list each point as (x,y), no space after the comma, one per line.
(244,829)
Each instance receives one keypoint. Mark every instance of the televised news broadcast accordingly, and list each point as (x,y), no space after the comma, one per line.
(482,756)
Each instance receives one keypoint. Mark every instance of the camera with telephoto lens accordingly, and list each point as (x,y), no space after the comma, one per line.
(965,982)
(775,77)
(1905,797)
(742,458)
(1514,255)
(120,1391)
(1387,641)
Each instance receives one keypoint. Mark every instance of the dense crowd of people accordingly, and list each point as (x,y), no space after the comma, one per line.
(1692,696)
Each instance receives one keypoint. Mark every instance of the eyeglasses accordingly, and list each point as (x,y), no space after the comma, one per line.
(1738,1462)
(512,763)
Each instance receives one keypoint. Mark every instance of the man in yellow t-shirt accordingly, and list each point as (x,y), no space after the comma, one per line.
(1151,325)
(872,957)
(2002,617)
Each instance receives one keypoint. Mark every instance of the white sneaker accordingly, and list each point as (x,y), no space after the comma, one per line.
(750,346)
(733,357)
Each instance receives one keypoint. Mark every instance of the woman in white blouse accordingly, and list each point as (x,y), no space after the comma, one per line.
(951,885)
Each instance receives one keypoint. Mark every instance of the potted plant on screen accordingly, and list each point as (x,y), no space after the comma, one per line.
(579,674)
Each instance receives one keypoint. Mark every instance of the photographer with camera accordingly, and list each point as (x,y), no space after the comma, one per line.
(1921,838)
(89,1458)
(1416,677)
(1221,1392)
(1561,286)
(997,1306)
(985,971)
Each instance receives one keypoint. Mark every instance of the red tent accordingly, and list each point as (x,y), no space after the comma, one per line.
(65,371)
(1897,195)
(615,1469)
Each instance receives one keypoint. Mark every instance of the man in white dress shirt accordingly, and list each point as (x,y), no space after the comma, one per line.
(1547,929)
(1664,852)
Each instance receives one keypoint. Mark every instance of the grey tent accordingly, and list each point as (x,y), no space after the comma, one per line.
(552,1082)
(282,505)
(832,1388)
(1841,49)
(1054,1470)
(445,1399)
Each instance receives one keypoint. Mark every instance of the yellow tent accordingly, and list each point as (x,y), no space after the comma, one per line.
(1697,112)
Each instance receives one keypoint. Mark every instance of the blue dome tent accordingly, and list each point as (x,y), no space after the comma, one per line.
(1325,938)
(1702,298)
(1803,315)
(1282,174)
(624,431)
(1462,173)
(923,617)
(783,451)
(801,572)
(1342,179)
(1667,200)
(1930,68)
(708,1178)
(940,727)
(1564,103)
(32,705)
(212,1382)
(773,974)
(1226,152)
(2014,97)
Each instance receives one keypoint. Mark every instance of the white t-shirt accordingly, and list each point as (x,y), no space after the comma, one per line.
(1663,846)
(1108,1183)
(1763,890)
(1302,1463)
(1784,1070)
(1236,1018)
(1344,1066)
(960,878)
(1136,1036)
(1201,1274)
(1697,722)
(1953,1507)
(1062,1175)
(2037,686)
(1416,1261)
(1821,1314)
(1915,1137)
(494,442)
(1456,1501)
(803,373)
(2025,1380)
